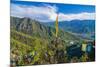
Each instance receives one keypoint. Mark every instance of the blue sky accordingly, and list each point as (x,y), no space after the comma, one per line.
(47,12)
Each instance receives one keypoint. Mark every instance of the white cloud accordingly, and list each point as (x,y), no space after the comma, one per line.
(41,13)
(80,16)
(47,13)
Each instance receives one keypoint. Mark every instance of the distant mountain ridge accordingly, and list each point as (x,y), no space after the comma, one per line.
(81,27)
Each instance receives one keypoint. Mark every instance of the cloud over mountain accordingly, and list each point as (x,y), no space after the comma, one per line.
(48,13)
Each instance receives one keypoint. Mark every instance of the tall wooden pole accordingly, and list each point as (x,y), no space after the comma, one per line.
(56,26)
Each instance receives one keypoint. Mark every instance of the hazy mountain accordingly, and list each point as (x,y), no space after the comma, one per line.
(84,28)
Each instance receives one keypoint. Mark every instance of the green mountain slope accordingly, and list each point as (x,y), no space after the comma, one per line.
(35,28)
(34,43)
